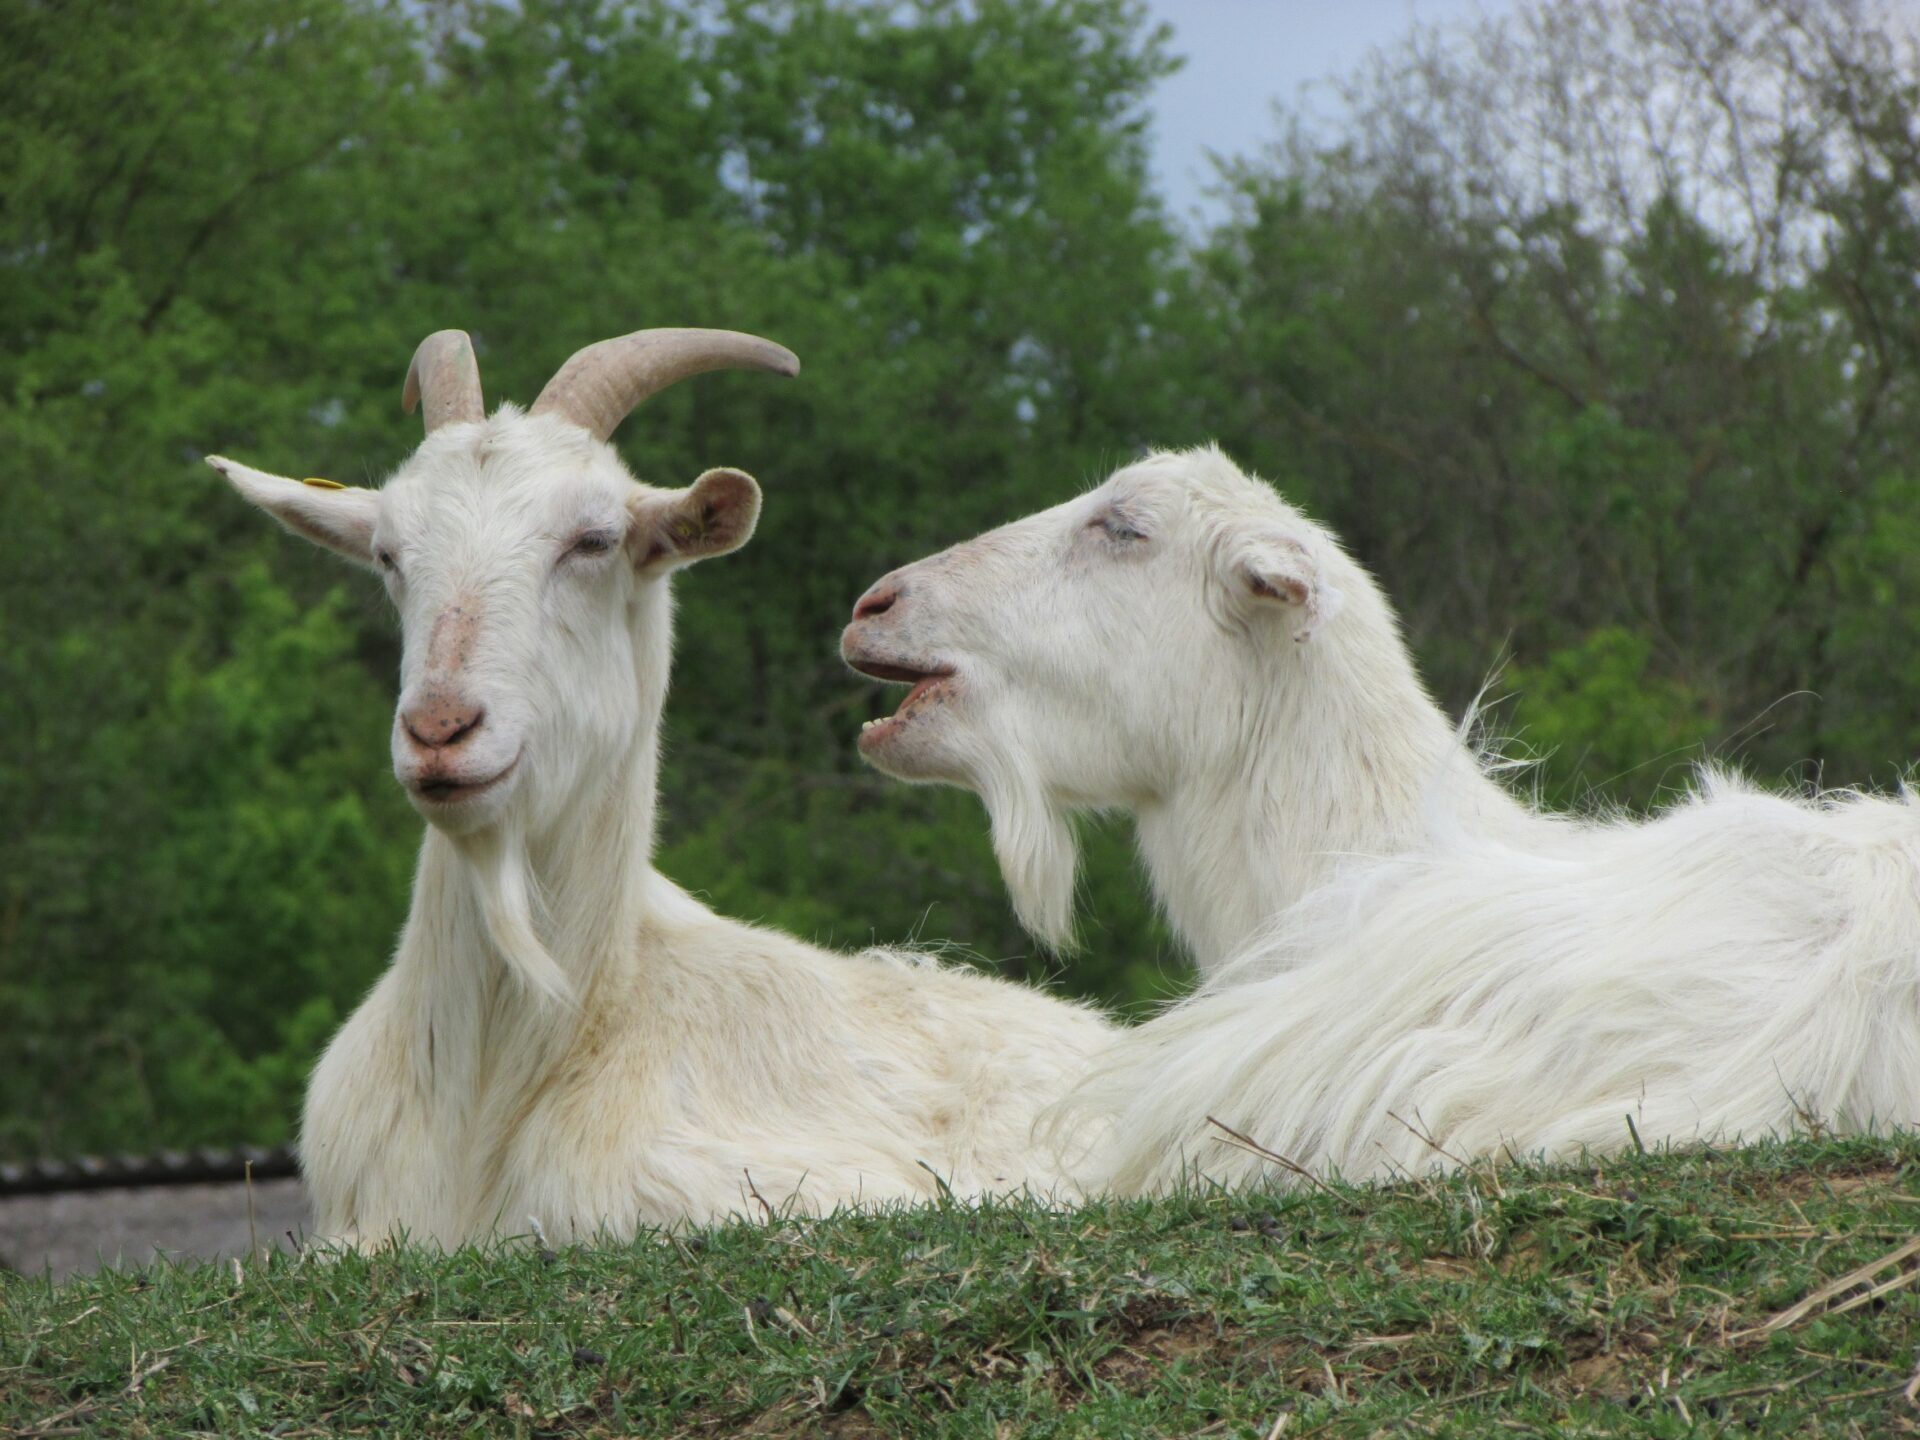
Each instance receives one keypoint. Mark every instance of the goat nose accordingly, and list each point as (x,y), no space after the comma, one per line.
(442,721)
(878,600)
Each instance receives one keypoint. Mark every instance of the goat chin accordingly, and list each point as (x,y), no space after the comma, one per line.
(1745,965)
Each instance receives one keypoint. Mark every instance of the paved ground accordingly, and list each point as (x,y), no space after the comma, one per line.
(78,1230)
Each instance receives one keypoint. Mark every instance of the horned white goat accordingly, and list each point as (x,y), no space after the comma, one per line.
(1469,975)
(563,1034)
(1183,645)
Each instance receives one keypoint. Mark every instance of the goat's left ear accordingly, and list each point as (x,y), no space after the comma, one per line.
(339,517)
(714,515)
(1279,569)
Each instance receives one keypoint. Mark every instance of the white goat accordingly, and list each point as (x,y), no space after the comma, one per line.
(564,1034)
(1745,965)
(1181,644)
(1489,977)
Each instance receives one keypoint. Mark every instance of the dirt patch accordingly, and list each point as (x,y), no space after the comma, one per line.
(1602,1375)
(1137,1364)
(1165,1335)
(798,1417)
(1602,1365)
(847,1425)
(1820,1184)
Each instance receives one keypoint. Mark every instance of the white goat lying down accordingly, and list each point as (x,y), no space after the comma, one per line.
(1742,966)
(1489,978)
(1183,645)
(563,1034)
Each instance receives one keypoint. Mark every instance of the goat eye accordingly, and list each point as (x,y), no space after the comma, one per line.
(384,559)
(594,542)
(1116,528)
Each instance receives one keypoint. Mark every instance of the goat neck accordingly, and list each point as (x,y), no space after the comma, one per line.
(1342,757)
(584,867)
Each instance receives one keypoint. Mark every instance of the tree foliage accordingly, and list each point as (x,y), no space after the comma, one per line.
(1594,331)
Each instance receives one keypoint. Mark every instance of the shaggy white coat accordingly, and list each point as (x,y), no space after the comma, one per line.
(1745,965)
(564,1038)
(1405,967)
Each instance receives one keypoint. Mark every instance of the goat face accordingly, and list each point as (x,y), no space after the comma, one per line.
(527,568)
(1086,656)
(1097,637)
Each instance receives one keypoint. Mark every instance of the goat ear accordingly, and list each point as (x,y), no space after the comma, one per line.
(339,517)
(1280,570)
(712,516)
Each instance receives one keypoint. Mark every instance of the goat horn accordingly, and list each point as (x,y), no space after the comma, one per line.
(446,378)
(602,384)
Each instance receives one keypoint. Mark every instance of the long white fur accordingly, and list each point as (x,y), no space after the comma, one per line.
(1406,969)
(1233,680)
(564,1035)
(1745,965)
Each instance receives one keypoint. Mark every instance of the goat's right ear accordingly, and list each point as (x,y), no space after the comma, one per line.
(339,517)
(713,516)
(1279,569)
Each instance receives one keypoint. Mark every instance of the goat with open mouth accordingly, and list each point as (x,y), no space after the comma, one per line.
(1407,967)
(1182,645)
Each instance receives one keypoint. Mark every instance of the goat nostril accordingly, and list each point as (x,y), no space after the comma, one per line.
(875,602)
(471,723)
(436,729)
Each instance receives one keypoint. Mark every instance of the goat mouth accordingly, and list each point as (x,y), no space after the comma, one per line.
(441,789)
(923,684)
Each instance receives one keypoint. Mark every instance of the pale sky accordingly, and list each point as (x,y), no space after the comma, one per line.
(1244,54)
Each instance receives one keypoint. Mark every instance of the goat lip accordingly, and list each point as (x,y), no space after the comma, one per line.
(440,789)
(923,680)
(915,675)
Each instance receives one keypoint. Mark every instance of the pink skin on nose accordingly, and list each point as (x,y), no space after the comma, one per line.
(441,715)
(878,600)
(451,642)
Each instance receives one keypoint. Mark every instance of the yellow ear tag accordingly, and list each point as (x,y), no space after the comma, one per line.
(319,484)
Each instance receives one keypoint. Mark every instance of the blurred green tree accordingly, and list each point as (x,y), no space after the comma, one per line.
(1592,329)
(1598,321)
(227,225)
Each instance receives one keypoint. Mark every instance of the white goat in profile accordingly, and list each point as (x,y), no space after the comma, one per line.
(1488,978)
(563,1034)
(1182,645)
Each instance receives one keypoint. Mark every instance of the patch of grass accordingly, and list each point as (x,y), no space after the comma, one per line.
(1662,1295)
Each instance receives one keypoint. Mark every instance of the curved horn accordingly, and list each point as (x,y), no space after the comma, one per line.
(601,384)
(446,377)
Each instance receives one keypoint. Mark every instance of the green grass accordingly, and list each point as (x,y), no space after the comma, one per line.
(1630,1297)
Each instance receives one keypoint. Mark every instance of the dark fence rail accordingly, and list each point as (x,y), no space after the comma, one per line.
(164,1167)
